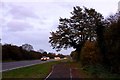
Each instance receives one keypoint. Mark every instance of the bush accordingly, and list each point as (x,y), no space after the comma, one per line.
(90,53)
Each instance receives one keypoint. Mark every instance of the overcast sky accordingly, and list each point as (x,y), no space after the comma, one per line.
(31,21)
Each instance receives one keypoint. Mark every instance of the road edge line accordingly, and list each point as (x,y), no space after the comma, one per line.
(20,67)
(70,73)
(49,74)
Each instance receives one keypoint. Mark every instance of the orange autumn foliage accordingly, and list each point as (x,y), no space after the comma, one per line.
(90,53)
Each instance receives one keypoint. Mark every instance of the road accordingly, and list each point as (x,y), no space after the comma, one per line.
(61,72)
(14,65)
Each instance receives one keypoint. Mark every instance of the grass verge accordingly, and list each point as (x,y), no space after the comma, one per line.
(98,71)
(77,66)
(17,60)
(94,72)
(36,71)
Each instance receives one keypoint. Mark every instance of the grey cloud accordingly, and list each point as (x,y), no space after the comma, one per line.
(18,26)
(33,37)
(22,12)
(68,5)
(2,21)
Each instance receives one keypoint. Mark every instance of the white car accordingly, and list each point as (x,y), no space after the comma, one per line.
(65,58)
(56,58)
(48,58)
(44,58)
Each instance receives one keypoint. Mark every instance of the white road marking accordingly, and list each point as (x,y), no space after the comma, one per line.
(70,73)
(49,74)
(22,66)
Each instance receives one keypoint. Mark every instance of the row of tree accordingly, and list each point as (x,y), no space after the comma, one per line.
(13,52)
(95,39)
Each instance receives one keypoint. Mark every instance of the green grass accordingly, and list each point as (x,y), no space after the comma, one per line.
(92,71)
(99,71)
(78,66)
(17,60)
(36,71)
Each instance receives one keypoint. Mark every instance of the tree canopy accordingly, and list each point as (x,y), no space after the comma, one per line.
(74,31)
(27,47)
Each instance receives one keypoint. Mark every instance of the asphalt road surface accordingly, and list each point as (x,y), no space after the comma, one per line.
(60,72)
(19,64)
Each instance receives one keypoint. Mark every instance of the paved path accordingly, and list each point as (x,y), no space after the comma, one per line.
(14,65)
(61,72)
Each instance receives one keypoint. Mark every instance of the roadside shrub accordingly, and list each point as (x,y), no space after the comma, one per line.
(90,53)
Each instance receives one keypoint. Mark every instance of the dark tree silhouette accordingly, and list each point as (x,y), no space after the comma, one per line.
(27,47)
(112,39)
(75,31)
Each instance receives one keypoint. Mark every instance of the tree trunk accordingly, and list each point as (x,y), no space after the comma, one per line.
(78,50)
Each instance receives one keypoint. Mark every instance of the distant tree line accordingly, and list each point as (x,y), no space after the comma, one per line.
(13,52)
(96,40)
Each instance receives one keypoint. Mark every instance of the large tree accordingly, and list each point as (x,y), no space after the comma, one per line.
(27,47)
(112,39)
(73,32)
